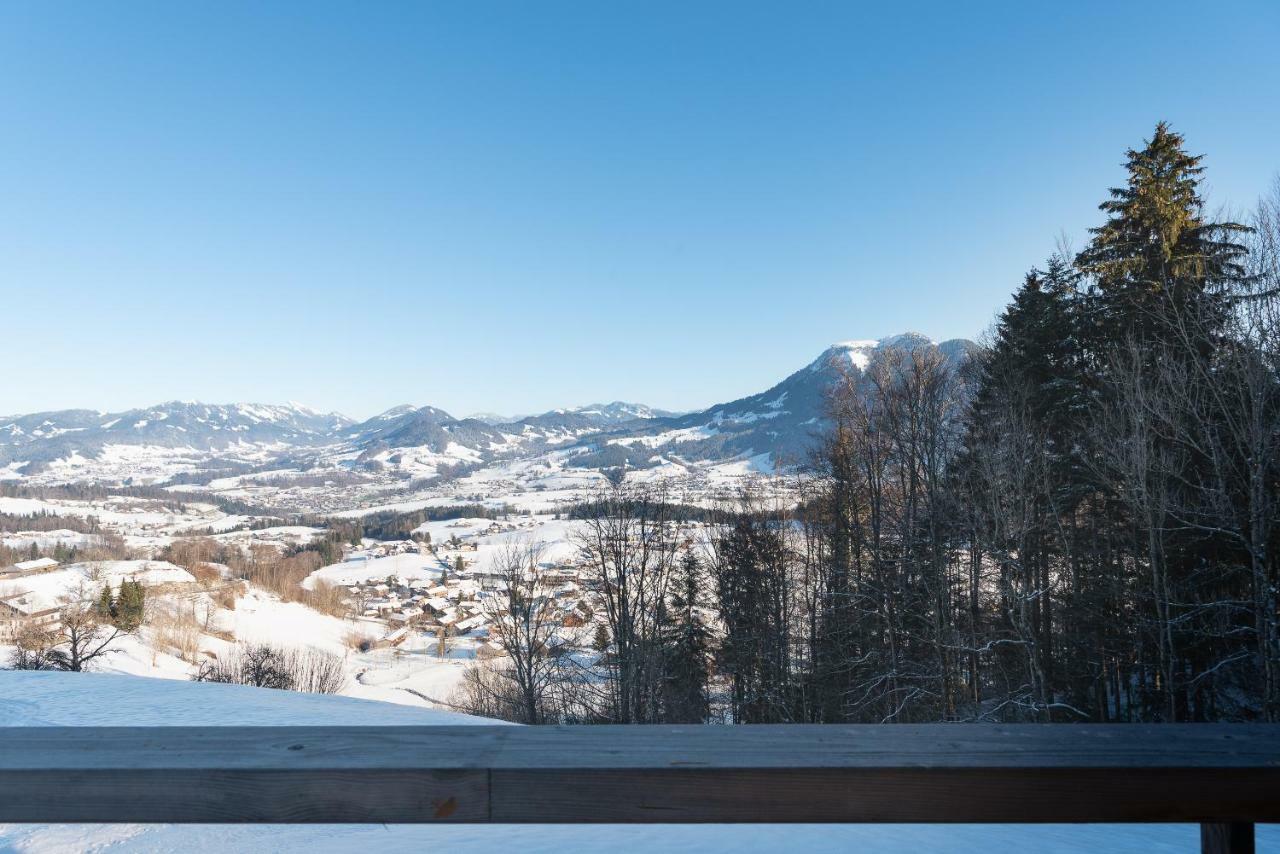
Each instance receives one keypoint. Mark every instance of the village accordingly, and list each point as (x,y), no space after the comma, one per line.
(406,617)
(450,591)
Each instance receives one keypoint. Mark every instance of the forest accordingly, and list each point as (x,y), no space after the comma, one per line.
(1083,525)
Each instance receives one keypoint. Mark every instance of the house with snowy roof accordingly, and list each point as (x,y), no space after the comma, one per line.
(40,564)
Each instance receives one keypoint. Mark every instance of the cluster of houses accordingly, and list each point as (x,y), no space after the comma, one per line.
(389,548)
(464,603)
(420,603)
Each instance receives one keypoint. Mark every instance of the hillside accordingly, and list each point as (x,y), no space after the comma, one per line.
(34,698)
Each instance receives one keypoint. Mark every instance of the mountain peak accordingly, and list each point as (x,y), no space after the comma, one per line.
(858,351)
(620,410)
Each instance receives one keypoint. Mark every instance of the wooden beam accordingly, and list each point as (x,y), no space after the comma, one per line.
(647,774)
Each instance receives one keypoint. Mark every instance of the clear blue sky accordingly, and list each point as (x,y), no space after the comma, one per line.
(517,206)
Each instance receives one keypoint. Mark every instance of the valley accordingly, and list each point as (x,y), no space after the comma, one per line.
(395,525)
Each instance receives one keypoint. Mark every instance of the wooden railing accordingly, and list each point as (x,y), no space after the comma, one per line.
(1225,777)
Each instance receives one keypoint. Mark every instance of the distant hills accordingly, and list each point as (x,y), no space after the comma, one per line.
(775,426)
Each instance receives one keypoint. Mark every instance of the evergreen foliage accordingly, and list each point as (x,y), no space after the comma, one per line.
(688,646)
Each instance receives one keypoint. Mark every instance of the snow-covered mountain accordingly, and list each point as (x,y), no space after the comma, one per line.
(776,426)
(493,417)
(619,412)
(597,414)
(46,436)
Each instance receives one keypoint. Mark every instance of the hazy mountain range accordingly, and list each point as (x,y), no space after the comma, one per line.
(780,422)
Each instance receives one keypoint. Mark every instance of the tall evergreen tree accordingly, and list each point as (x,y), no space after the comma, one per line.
(106,607)
(1163,276)
(1023,478)
(688,646)
(130,605)
(752,581)
(1157,256)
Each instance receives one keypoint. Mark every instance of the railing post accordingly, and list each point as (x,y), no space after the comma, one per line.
(1234,837)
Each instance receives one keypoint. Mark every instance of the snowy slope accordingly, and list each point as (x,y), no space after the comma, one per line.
(102,699)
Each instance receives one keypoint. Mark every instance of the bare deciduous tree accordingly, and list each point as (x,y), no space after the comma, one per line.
(628,547)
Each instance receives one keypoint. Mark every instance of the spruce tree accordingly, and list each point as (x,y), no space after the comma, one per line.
(1037,357)
(130,605)
(688,646)
(1163,277)
(106,606)
(1157,256)
(1022,471)
(600,643)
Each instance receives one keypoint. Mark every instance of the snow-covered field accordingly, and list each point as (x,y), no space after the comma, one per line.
(48,589)
(107,699)
(67,699)
(408,567)
(411,674)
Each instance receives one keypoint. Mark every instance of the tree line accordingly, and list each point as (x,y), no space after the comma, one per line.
(1081,525)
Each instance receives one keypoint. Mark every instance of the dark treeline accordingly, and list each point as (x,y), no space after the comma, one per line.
(169,499)
(1082,525)
(1084,528)
(99,544)
(635,504)
(43,520)
(399,524)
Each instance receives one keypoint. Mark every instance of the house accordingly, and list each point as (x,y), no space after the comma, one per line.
(405,616)
(24,610)
(392,640)
(565,591)
(462,627)
(41,564)
(560,574)
(487,650)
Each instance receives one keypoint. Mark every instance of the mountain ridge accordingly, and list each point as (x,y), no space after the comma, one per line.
(780,422)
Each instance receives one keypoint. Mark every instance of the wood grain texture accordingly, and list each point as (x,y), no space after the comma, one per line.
(647,774)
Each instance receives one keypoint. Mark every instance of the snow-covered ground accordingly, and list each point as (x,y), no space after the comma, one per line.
(109,699)
(411,674)
(68,699)
(558,838)
(48,589)
(407,567)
